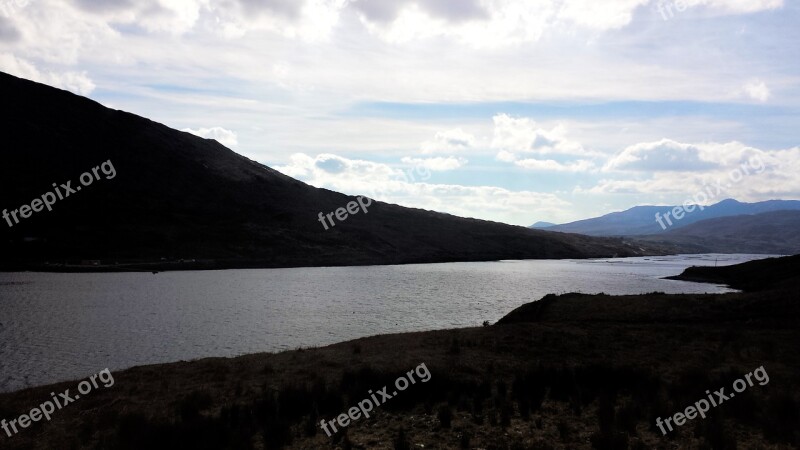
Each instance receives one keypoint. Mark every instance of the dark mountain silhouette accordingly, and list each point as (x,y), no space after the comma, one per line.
(641,220)
(177,196)
(775,233)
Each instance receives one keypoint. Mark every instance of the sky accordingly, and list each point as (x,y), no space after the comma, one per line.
(515,111)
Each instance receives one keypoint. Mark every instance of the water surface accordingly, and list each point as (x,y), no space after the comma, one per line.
(56,326)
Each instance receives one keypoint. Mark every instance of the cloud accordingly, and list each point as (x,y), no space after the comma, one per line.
(600,15)
(158,16)
(515,139)
(331,163)
(449,141)
(150,41)
(493,23)
(225,137)
(105,6)
(550,165)
(662,156)
(287,8)
(389,184)
(738,171)
(757,90)
(737,6)
(330,169)
(77,82)
(306,20)
(386,11)
(523,136)
(438,164)
(481,23)
(8,32)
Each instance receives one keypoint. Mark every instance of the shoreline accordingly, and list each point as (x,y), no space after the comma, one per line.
(211,264)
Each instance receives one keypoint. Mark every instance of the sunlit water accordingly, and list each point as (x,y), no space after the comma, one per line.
(56,327)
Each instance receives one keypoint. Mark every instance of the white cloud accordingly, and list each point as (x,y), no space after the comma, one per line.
(550,165)
(449,141)
(481,23)
(757,90)
(523,136)
(77,82)
(225,137)
(600,15)
(306,20)
(515,139)
(328,169)
(158,42)
(737,6)
(158,16)
(738,171)
(662,156)
(437,164)
(385,183)
(506,156)
(500,22)
(494,23)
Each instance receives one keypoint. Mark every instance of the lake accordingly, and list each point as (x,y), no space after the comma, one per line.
(56,327)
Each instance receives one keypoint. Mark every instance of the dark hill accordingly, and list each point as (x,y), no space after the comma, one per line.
(177,196)
(775,233)
(772,273)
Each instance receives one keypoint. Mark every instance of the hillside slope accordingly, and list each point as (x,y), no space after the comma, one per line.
(177,196)
(775,233)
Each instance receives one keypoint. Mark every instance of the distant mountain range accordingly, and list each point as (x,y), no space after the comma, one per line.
(776,233)
(180,201)
(771,227)
(543,225)
(641,220)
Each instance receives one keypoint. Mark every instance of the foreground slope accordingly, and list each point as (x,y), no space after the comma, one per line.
(566,372)
(177,196)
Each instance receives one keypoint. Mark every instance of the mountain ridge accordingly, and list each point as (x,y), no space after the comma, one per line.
(182,202)
(641,220)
